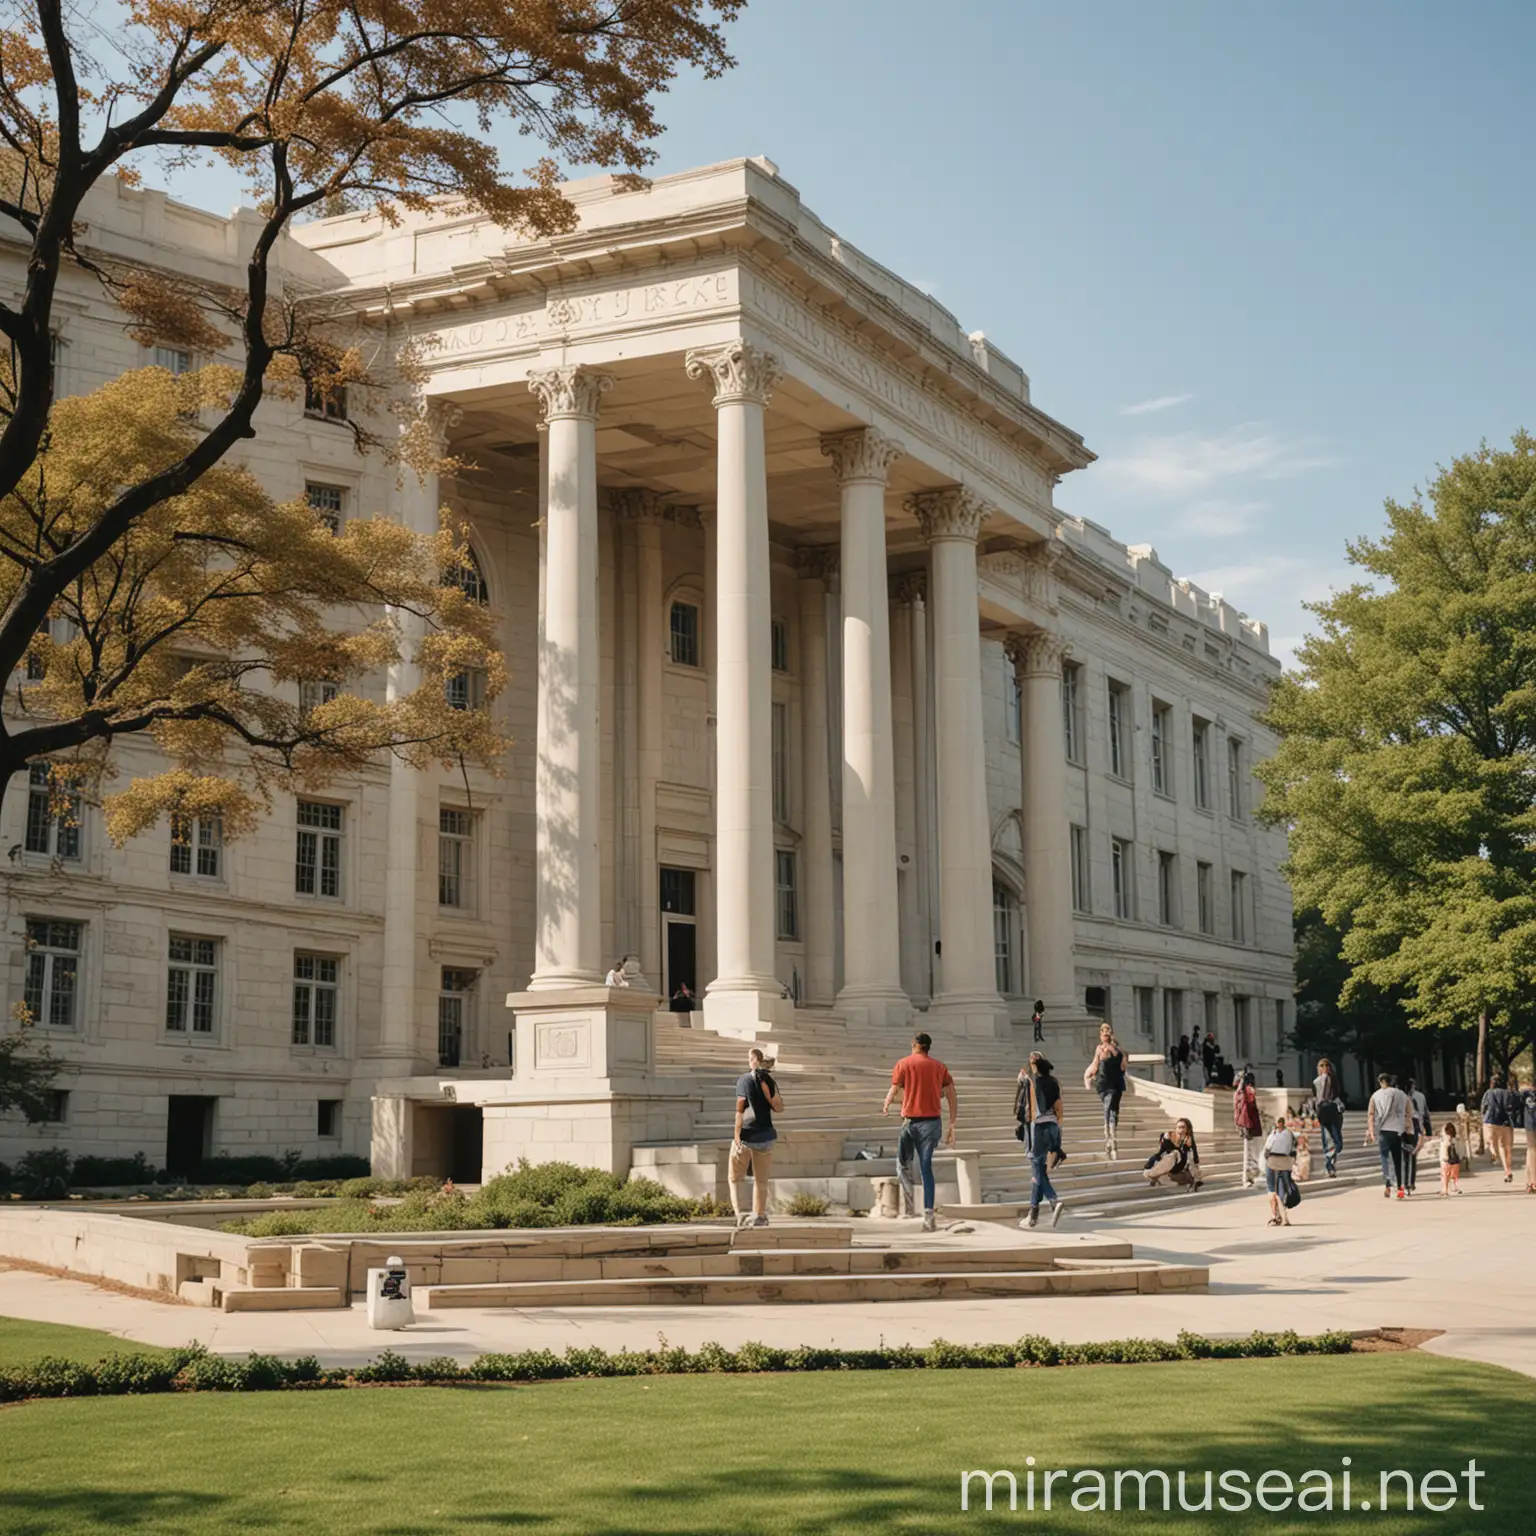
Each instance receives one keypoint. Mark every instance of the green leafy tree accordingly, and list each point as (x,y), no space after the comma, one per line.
(26,1075)
(1406,772)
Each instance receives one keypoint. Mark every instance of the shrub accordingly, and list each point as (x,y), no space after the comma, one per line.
(44,1174)
(5,1178)
(808,1205)
(259,1191)
(110,1172)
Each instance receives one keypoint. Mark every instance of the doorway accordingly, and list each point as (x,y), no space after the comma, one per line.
(188,1133)
(679,933)
(467,1157)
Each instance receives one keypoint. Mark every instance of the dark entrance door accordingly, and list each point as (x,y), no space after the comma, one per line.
(468,1139)
(188,1133)
(682,960)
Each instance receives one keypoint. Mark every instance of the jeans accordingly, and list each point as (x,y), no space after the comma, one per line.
(1110,1099)
(1331,1123)
(1391,1146)
(919,1138)
(1410,1160)
(1046,1139)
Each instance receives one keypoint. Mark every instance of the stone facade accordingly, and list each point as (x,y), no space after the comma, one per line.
(837,706)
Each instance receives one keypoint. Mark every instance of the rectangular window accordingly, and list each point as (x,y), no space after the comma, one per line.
(466,689)
(685,634)
(1201,742)
(328,501)
(53,815)
(328,1119)
(1203,898)
(317,865)
(677,892)
(1119,730)
(1212,1002)
(325,405)
(1082,899)
(1234,777)
(1144,1004)
(1239,908)
(1071,723)
(779,645)
(55,1106)
(455,1000)
(314,692)
(192,987)
(53,972)
(175,360)
(1242,1030)
(316,984)
(1162,735)
(788,908)
(455,844)
(1279,1025)
(1003,924)
(1173,1016)
(1013,720)
(197,845)
(780,734)
(1123,869)
(1167,890)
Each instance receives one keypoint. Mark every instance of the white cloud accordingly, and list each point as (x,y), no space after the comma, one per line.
(1157,403)
(1194,464)
(1217,517)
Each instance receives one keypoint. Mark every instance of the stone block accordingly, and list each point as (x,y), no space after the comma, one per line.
(287,1299)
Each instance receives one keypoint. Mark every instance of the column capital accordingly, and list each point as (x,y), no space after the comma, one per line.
(739,371)
(636,504)
(815,563)
(951,513)
(1038,653)
(569,391)
(861,454)
(910,587)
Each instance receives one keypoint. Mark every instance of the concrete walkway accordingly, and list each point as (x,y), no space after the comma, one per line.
(1351,1260)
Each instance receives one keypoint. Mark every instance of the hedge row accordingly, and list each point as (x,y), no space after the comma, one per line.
(50,1173)
(194,1370)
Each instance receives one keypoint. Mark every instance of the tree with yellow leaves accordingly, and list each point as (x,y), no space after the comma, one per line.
(148,584)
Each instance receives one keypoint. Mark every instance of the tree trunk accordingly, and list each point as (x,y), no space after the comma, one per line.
(1481,1069)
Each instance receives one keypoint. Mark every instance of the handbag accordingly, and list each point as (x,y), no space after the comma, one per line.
(1292,1194)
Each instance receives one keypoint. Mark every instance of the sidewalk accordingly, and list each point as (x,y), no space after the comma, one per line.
(1351,1260)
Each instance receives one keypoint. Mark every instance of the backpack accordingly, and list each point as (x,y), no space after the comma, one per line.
(1517,1109)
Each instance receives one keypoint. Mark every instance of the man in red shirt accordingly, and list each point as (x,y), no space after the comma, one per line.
(922,1081)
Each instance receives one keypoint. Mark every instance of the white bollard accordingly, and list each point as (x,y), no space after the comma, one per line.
(389,1295)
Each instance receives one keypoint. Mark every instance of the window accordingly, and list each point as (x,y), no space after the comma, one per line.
(55,1106)
(1167,890)
(779,645)
(1096,1002)
(466,689)
(1144,1011)
(197,845)
(1004,925)
(313,692)
(53,814)
(469,578)
(1239,908)
(1201,740)
(1211,1003)
(1162,734)
(454,1001)
(317,865)
(781,763)
(1279,1025)
(685,634)
(455,843)
(1173,1016)
(1122,866)
(1081,891)
(328,501)
(677,891)
(315,986)
(1071,726)
(325,404)
(175,360)
(788,907)
(1242,1030)
(328,1119)
(1013,721)
(53,972)
(1234,777)
(1119,730)
(192,991)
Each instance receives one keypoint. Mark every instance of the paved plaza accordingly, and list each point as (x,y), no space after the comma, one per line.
(1352,1260)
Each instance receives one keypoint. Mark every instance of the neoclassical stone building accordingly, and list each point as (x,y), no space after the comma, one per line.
(817,700)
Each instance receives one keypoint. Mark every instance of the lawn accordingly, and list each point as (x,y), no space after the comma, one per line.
(699,1455)
(22,1342)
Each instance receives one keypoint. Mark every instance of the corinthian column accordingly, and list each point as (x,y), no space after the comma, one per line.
(816,566)
(951,521)
(744,996)
(1037,661)
(568,785)
(871,914)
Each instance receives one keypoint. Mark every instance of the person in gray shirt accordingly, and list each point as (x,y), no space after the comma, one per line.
(1385,1122)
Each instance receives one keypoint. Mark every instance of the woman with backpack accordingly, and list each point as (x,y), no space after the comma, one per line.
(1250,1125)
(1106,1076)
(1328,1098)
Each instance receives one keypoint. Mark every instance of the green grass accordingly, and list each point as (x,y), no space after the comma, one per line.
(695,1456)
(22,1343)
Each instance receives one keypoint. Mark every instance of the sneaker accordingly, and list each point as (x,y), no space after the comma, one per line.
(744,1221)
(1402,1194)
(1030,1220)
(1056,1211)
(930,1222)
(759,1221)
(1386,1192)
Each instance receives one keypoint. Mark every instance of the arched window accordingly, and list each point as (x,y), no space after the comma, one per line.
(1005,927)
(467,576)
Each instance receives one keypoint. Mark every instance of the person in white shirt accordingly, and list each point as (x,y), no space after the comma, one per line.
(616,976)
(1385,1122)
(1279,1159)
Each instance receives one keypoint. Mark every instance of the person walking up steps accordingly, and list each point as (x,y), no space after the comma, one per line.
(1329,1102)
(1385,1122)
(1044,1107)
(1105,1074)
(757,1098)
(1250,1125)
(923,1082)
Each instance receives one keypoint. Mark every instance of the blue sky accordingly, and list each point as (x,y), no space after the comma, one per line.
(1273,261)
